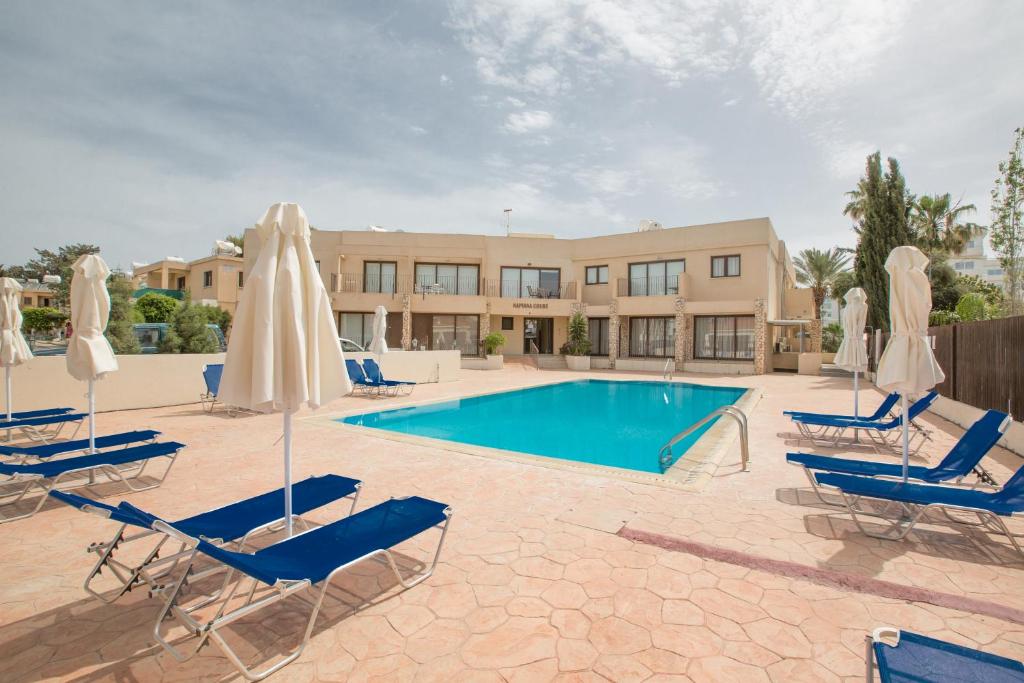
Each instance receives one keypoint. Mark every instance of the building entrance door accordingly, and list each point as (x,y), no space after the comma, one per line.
(538,335)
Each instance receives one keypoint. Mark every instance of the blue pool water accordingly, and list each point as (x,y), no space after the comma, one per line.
(614,423)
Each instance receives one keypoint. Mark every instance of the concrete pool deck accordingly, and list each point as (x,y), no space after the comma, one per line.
(547,574)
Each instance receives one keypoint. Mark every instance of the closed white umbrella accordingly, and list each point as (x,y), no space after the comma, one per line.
(284,348)
(13,349)
(852,356)
(908,365)
(380,329)
(90,356)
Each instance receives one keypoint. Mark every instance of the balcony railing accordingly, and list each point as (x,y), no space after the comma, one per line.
(514,289)
(394,285)
(658,285)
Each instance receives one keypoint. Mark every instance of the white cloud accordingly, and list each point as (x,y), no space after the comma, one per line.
(528,121)
(805,52)
(515,102)
(445,80)
(532,46)
(418,130)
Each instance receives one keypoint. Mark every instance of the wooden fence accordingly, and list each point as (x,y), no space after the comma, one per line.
(984,363)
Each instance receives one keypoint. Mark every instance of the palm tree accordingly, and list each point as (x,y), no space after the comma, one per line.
(858,202)
(937,221)
(818,270)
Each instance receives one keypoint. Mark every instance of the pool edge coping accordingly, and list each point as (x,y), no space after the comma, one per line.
(690,473)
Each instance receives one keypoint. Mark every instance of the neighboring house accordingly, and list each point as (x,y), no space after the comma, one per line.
(972,261)
(214,280)
(36,294)
(702,295)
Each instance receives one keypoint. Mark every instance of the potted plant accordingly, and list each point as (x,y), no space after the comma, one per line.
(577,349)
(492,344)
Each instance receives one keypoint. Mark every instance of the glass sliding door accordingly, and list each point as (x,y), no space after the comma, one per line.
(379,277)
(447,332)
(652,337)
(447,278)
(538,335)
(724,337)
(598,328)
(538,283)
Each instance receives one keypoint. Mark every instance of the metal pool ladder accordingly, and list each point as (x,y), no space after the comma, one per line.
(665,454)
(667,372)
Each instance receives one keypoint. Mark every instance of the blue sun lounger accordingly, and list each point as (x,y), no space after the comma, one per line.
(235,523)
(915,500)
(963,458)
(126,465)
(374,374)
(882,411)
(295,565)
(832,430)
(360,382)
(37,413)
(25,452)
(30,425)
(211,375)
(913,658)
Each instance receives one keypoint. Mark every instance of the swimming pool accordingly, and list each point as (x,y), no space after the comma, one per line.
(603,422)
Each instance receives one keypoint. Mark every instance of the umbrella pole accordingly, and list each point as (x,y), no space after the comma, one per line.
(7,383)
(92,418)
(288,472)
(856,402)
(905,403)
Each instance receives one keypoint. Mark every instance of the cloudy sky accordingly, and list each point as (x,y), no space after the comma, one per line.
(152,128)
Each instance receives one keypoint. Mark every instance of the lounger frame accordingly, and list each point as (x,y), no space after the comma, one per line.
(29,458)
(210,629)
(888,439)
(911,514)
(153,567)
(113,473)
(39,433)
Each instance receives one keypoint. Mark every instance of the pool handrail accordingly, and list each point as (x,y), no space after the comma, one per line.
(665,454)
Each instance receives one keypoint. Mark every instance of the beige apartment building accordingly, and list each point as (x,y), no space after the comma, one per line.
(214,280)
(707,297)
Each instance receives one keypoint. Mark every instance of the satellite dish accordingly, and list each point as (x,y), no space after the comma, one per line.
(648,224)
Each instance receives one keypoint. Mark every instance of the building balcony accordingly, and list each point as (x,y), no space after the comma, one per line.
(653,286)
(398,285)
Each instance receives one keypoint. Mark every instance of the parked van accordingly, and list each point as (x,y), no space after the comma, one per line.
(151,335)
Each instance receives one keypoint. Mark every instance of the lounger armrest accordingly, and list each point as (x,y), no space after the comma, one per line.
(164,527)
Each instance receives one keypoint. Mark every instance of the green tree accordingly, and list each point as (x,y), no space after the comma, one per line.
(119,332)
(994,295)
(58,263)
(1006,232)
(972,307)
(883,227)
(939,225)
(946,290)
(42,319)
(156,308)
(579,336)
(188,333)
(237,240)
(843,283)
(216,315)
(937,318)
(818,270)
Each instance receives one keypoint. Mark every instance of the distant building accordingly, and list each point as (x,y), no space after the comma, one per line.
(214,280)
(972,261)
(36,294)
(829,311)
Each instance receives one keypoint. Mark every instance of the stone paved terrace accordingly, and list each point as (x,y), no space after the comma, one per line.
(537,581)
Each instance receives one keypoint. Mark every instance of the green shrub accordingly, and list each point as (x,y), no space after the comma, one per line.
(971,307)
(831,337)
(188,333)
(43,319)
(216,315)
(493,342)
(156,308)
(939,318)
(579,336)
